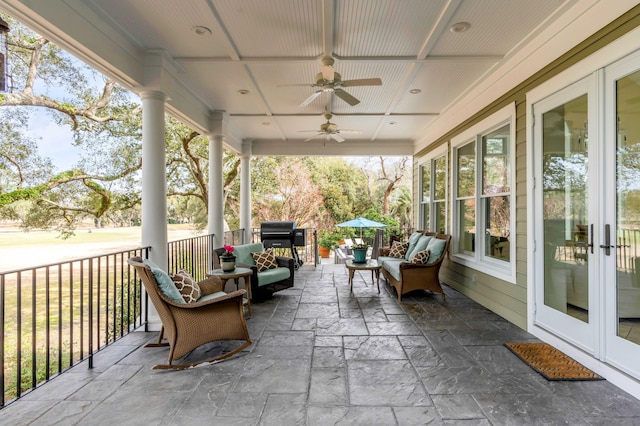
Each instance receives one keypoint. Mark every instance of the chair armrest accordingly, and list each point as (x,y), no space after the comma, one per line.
(210,285)
(254,268)
(384,251)
(286,262)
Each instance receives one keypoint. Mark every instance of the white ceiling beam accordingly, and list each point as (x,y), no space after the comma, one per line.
(439,27)
(328,27)
(227,41)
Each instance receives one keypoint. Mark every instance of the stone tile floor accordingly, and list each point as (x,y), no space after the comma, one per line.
(325,356)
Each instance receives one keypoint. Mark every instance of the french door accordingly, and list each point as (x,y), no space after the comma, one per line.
(587,214)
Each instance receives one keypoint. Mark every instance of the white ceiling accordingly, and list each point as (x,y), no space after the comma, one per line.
(257,45)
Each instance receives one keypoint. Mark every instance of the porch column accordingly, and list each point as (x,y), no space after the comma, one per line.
(216,195)
(245,190)
(154,186)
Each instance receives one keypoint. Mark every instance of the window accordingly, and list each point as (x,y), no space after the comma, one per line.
(434,191)
(483,217)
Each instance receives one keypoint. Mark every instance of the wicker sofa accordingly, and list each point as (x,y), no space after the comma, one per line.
(265,283)
(406,276)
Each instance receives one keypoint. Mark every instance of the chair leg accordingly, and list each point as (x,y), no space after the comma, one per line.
(206,361)
(159,344)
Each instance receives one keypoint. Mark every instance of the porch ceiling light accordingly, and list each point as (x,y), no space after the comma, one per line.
(243,91)
(201,31)
(415,91)
(460,27)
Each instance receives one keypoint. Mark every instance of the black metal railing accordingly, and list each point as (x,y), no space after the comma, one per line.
(192,255)
(55,316)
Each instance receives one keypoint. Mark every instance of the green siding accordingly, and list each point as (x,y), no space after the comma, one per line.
(506,299)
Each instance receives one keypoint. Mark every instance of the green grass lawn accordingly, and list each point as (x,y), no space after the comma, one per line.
(26,249)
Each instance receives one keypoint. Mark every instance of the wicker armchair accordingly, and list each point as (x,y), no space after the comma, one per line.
(186,326)
(415,276)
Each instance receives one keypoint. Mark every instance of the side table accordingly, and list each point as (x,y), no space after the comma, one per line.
(370,265)
(235,275)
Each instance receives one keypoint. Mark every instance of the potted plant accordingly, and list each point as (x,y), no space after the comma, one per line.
(326,241)
(228,259)
(360,252)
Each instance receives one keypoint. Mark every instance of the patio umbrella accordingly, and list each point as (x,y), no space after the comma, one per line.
(361,222)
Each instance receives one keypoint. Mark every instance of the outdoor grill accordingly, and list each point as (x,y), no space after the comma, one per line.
(283,235)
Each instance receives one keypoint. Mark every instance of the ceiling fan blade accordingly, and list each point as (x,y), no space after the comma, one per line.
(362,82)
(337,137)
(346,97)
(313,137)
(351,132)
(311,98)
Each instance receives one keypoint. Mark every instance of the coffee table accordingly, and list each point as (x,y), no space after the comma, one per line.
(235,275)
(370,265)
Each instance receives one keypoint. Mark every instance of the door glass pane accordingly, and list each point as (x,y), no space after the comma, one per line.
(628,207)
(564,175)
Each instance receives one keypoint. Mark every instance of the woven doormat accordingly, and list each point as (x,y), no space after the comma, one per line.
(550,362)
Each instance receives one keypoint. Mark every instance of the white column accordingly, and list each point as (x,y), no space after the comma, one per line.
(216,195)
(245,191)
(154,186)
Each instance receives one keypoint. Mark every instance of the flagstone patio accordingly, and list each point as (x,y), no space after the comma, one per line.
(325,356)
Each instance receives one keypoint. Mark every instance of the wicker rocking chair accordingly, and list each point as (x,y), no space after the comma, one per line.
(187,326)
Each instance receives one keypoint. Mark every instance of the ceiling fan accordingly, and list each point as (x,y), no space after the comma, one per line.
(330,131)
(329,81)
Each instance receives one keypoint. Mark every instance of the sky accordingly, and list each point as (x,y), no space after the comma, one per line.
(54,141)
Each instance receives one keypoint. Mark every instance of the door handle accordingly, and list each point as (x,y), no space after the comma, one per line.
(591,239)
(607,240)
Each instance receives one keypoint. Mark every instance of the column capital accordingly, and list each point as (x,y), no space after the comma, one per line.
(153,95)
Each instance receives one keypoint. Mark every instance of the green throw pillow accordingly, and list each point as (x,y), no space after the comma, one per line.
(165,283)
(413,240)
(436,246)
(422,243)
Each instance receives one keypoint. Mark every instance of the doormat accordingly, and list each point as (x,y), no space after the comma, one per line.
(550,362)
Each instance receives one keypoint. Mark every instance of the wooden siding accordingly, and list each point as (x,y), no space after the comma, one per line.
(504,298)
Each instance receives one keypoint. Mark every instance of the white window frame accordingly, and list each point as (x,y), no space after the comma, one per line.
(505,270)
(430,158)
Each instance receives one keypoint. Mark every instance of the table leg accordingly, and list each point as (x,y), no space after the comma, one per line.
(378,279)
(351,273)
(247,286)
